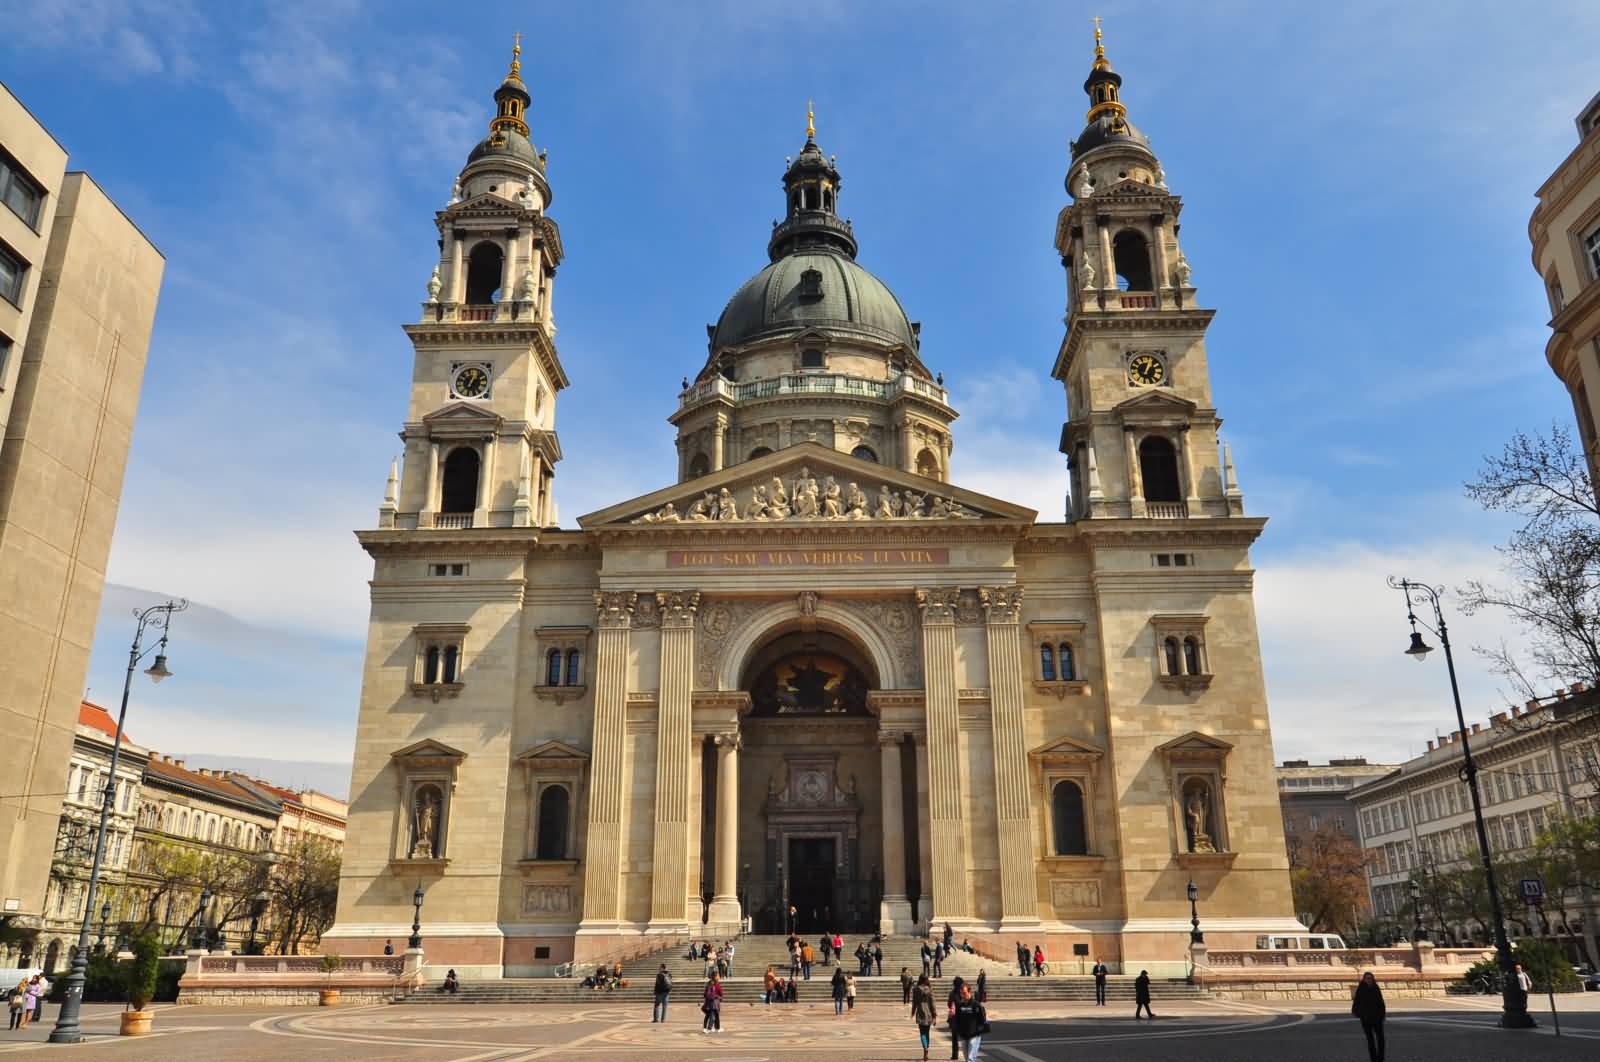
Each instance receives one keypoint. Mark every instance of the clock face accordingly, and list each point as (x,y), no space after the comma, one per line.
(471,382)
(1146,370)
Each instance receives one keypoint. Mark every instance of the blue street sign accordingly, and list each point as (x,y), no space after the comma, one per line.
(1532,890)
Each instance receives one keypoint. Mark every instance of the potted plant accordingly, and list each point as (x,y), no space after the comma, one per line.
(139,984)
(329,964)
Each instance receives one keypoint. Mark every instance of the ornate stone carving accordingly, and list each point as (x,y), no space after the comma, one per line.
(1181,273)
(1083,187)
(805,499)
(1001,604)
(1074,894)
(896,623)
(529,286)
(435,285)
(646,613)
(546,899)
(425,823)
(1087,271)
(614,608)
(808,602)
(717,621)
(678,607)
(939,604)
(969,612)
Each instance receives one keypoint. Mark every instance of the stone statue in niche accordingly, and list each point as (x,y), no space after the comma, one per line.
(1181,272)
(435,285)
(530,286)
(1197,816)
(1084,187)
(1088,273)
(425,824)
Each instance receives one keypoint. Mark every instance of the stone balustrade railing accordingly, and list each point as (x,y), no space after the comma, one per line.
(1422,958)
(295,979)
(810,383)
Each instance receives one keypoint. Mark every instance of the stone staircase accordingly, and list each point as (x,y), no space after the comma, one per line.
(754,953)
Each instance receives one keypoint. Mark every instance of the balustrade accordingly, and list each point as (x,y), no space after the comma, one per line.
(810,384)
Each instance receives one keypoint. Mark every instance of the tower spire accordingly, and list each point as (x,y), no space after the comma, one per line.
(1103,85)
(811,122)
(511,98)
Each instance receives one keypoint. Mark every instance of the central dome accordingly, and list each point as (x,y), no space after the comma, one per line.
(812,289)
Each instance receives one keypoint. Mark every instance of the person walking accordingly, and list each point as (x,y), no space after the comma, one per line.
(1038,961)
(1141,996)
(44,990)
(1367,1004)
(927,959)
(771,981)
(30,1001)
(970,1022)
(906,984)
(827,948)
(794,919)
(19,996)
(921,1008)
(1100,973)
(850,991)
(794,959)
(1523,980)
(1023,960)
(838,948)
(938,960)
(663,989)
(838,989)
(950,1014)
(712,1007)
(949,936)
(728,951)
(983,986)
(877,957)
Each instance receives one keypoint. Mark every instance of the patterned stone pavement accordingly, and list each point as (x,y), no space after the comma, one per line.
(1458,1030)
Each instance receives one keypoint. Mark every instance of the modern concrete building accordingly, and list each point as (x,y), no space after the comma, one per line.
(78,289)
(813,671)
(1565,230)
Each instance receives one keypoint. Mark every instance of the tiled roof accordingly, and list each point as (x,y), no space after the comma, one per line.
(97,718)
(165,770)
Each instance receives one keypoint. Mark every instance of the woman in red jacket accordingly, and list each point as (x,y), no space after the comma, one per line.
(712,1007)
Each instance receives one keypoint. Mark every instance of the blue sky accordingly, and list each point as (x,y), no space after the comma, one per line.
(1357,181)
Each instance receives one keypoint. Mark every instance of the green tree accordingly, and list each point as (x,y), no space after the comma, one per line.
(304,886)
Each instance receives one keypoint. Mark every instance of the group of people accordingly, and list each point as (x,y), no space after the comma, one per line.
(605,977)
(27,1000)
(1030,962)
(719,960)
(965,1012)
(783,991)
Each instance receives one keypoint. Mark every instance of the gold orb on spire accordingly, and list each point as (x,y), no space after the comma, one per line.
(516,58)
(811,121)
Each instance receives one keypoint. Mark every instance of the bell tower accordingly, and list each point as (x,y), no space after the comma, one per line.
(1141,430)
(480,442)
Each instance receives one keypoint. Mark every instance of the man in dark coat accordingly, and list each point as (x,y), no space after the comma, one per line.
(1100,972)
(663,989)
(955,997)
(1141,996)
(1024,959)
(1367,1005)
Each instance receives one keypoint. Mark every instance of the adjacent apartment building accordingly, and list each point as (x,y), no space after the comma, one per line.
(1316,796)
(1534,763)
(1565,230)
(78,290)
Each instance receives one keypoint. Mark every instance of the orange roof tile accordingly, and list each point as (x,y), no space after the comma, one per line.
(96,717)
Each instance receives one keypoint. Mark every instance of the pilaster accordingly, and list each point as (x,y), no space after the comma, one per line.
(608,788)
(674,748)
(725,897)
(895,911)
(1019,903)
(938,605)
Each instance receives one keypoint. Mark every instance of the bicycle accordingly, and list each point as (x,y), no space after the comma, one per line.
(1488,984)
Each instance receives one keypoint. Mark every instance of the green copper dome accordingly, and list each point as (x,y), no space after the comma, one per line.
(812,289)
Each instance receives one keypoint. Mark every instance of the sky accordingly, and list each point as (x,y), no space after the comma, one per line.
(1357,180)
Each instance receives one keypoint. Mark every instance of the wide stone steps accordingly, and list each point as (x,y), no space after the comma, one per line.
(753,954)
(1055,988)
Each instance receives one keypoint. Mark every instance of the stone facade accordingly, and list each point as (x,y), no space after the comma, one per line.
(78,289)
(817,677)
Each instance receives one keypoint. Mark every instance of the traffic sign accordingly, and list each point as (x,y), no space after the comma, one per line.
(1532,891)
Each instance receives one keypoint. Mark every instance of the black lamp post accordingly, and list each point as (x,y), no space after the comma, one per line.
(1514,1001)
(197,939)
(416,919)
(105,916)
(66,1030)
(258,907)
(1417,932)
(1195,936)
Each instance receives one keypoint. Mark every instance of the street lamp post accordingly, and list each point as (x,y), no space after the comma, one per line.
(66,1030)
(1195,936)
(258,907)
(1417,932)
(416,919)
(197,939)
(105,916)
(1514,1001)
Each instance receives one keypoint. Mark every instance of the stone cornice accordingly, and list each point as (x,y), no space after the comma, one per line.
(1211,531)
(717,534)
(1120,323)
(479,541)
(494,334)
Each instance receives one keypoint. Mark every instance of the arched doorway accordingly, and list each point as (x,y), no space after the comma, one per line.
(811,811)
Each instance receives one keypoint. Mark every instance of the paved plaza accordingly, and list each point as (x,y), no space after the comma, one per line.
(1456,1029)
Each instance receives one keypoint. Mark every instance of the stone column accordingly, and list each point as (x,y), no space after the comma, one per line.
(719,441)
(1019,901)
(1107,277)
(725,887)
(458,276)
(908,446)
(430,493)
(674,746)
(485,483)
(919,742)
(950,901)
(536,484)
(1135,479)
(508,273)
(1163,272)
(608,787)
(1191,486)
(895,911)
(692,880)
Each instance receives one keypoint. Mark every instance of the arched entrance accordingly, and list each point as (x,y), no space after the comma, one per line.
(811,808)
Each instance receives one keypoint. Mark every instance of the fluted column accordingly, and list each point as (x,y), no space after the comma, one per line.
(945,826)
(674,753)
(1019,903)
(895,912)
(919,747)
(608,787)
(724,889)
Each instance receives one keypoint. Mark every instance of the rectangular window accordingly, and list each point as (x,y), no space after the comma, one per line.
(1591,252)
(13,271)
(5,360)
(19,191)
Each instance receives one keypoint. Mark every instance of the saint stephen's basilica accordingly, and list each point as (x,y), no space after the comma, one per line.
(813,670)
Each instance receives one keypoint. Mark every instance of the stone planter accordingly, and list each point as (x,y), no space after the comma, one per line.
(328,997)
(136,1022)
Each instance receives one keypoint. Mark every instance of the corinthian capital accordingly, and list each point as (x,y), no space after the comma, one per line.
(614,608)
(1001,604)
(938,605)
(677,607)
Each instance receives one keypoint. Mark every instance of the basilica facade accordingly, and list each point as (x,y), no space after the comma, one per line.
(813,671)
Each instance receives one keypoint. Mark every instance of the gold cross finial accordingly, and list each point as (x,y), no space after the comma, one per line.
(811,121)
(516,53)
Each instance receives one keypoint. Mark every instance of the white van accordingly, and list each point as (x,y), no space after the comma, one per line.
(1309,942)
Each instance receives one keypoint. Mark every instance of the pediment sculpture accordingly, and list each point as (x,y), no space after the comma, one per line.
(805,498)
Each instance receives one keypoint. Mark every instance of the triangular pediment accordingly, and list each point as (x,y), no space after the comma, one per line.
(1130,188)
(459,413)
(730,497)
(486,201)
(1065,750)
(428,748)
(1154,404)
(553,752)
(1195,743)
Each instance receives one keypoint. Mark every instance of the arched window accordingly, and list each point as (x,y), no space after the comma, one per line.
(430,665)
(460,493)
(699,466)
(1069,672)
(554,803)
(864,453)
(927,464)
(552,669)
(1132,257)
(574,668)
(1174,664)
(1191,656)
(1047,663)
(1066,808)
(1158,466)
(452,659)
(211,829)
(484,267)
(760,451)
